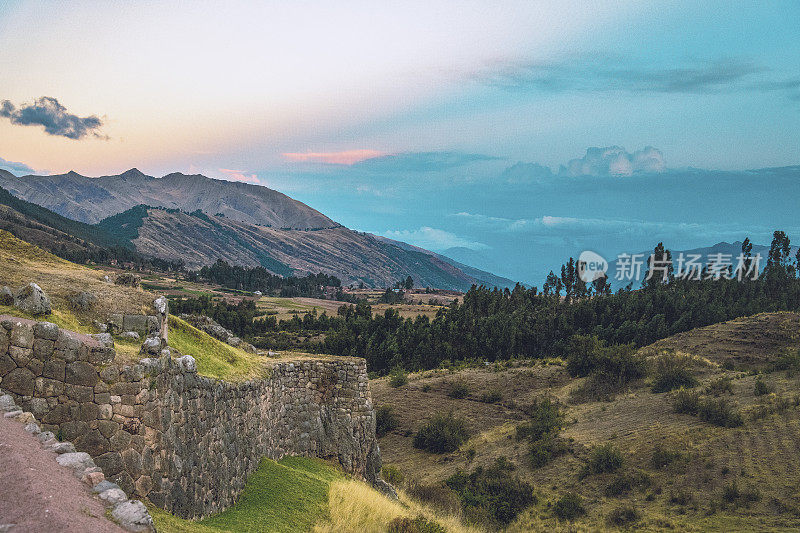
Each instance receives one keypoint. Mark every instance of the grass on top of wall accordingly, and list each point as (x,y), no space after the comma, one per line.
(284,496)
(214,358)
(61,318)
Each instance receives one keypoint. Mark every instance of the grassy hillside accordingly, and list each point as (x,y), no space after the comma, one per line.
(675,470)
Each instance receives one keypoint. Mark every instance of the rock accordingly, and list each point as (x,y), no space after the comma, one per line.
(93,478)
(151,346)
(104,338)
(258,293)
(104,486)
(63,447)
(6,296)
(45,330)
(32,299)
(113,496)
(187,363)
(77,461)
(133,516)
(82,301)
(161,305)
(130,336)
(20,381)
(106,279)
(7,403)
(81,373)
(13,414)
(128,279)
(101,327)
(45,436)
(32,428)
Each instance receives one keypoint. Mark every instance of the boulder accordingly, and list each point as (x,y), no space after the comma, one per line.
(77,461)
(130,336)
(20,381)
(113,496)
(6,296)
(7,403)
(151,346)
(104,338)
(82,301)
(133,516)
(187,363)
(32,299)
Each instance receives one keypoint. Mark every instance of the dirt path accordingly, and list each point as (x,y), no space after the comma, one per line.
(37,494)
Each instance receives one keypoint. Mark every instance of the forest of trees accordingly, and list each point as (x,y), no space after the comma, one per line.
(260,279)
(493,324)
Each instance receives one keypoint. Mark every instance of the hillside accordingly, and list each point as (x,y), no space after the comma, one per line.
(200,239)
(93,199)
(676,471)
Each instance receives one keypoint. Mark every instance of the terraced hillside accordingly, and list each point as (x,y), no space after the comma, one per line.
(678,471)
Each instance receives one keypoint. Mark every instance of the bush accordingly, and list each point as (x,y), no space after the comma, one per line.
(442,434)
(720,386)
(672,371)
(392,474)
(385,420)
(788,361)
(605,458)
(719,412)
(545,419)
(663,457)
(760,388)
(458,390)
(569,506)
(588,354)
(730,492)
(544,450)
(686,402)
(492,396)
(420,524)
(623,516)
(398,377)
(495,491)
(438,495)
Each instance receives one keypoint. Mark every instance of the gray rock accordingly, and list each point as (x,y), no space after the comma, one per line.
(82,301)
(13,414)
(63,447)
(45,330)
(5,528)
(20,380)
(113,496)
(101,327)
(106,279)
(187,363)
(77,461)
(45,436)
(104,338)
(104,486)
(32,428)
(161,305)
(32,299)
(7,403)
(130,335)
(133,516)
(6,296)
(151,346)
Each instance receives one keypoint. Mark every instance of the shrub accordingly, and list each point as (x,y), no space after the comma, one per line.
(385,420)
(426,387)
(788,361)
(569,506)
(620,485)
(492,396)
(495,491)
(438,495)
(442,434)
(605,458)
(545,419)
(730,492)
(420,524)
(588,354)
(760,387)
(663,457)
(458,390)
(544,450)
(398,377)
(686,402)
(623,516)
(682,497)
(719,412)
(720,386)
(672,371)
(392,474)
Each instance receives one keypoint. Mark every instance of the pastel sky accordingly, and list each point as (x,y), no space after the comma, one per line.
(433,122)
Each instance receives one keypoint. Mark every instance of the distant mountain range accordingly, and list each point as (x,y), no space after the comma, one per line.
(199,220)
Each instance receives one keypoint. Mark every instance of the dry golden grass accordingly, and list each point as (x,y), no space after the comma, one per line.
(22,263)
(686,495)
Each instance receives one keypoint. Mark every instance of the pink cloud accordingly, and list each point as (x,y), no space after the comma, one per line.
(239,175)
(347,157)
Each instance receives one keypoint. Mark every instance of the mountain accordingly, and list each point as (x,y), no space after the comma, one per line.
(92,199)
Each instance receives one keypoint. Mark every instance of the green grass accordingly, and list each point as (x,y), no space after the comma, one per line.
(62,319)
(214,358)
(288,495)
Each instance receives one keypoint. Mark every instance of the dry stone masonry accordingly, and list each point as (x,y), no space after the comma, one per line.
(159,430)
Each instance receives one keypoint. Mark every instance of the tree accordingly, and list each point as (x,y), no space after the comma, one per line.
(660,270)
(409,283)
(778,260)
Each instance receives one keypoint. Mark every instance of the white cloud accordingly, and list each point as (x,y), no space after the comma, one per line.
(432,239)
(16,167)
(615,161)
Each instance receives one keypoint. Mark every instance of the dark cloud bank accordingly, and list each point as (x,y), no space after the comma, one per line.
(48,112)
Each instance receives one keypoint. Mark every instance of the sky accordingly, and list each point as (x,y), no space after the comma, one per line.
(509,134)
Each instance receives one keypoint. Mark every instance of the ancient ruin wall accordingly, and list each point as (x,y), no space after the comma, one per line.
(184,441)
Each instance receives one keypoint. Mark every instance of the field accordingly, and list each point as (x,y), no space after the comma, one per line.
(758,459)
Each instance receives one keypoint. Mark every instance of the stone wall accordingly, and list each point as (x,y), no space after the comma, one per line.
(184,441)
(144,325)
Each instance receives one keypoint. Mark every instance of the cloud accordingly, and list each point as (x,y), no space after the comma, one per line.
(240,175)
(421,161)
(20,168)
(603,74)
(347,157)
(615,161)
(432,239)
(526,172)
(48,112)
